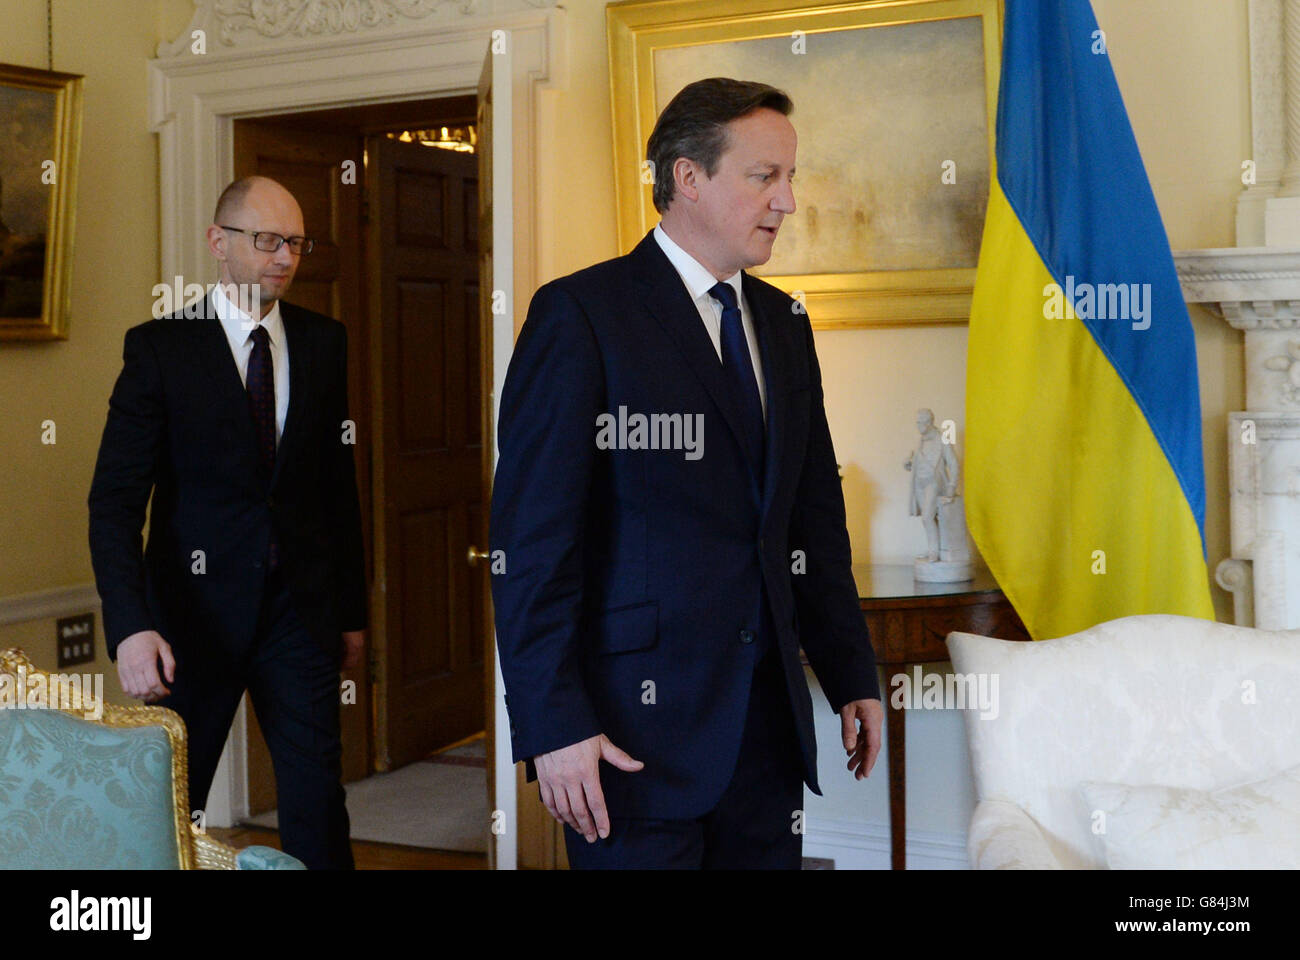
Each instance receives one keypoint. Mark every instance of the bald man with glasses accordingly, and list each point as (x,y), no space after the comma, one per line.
(233,414)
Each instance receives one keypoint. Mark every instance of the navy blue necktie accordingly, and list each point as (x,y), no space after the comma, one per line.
(739,369)
(260,382)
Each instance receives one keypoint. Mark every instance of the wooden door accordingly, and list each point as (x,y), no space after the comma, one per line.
(309,163)
(422,252)
(486,121)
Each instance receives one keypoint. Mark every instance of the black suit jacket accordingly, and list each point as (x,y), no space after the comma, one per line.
(628,567)
(179,425)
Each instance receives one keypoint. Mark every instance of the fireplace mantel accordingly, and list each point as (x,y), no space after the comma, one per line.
(1257,290)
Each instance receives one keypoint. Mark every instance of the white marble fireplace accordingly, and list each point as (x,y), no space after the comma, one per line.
(1255,287)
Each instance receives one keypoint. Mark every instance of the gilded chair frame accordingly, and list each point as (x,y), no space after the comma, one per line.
(196,850)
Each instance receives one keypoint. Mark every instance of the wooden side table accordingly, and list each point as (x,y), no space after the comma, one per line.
(909,621)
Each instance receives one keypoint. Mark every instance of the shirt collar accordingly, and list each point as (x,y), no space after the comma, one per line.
(699,281)
(239,325)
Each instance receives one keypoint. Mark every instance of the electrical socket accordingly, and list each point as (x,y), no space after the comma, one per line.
(76,639)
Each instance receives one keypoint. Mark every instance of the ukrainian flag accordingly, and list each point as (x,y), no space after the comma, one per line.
(1085,485)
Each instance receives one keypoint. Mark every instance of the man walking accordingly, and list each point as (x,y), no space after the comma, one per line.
(656,591)
(235,415)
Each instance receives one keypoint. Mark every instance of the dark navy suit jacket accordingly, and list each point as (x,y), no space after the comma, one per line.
(631,603)
(179,426)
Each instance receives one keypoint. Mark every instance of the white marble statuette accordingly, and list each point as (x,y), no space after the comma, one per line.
(935,500)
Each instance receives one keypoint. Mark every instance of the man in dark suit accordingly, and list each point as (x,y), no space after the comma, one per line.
(253,577)
(672,526)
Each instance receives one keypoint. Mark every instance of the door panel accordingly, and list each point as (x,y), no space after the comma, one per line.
(427,325)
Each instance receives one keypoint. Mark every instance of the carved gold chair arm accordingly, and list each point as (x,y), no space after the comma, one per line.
(210,853)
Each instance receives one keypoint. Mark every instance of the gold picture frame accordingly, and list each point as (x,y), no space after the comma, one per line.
(40,143)
(645,35)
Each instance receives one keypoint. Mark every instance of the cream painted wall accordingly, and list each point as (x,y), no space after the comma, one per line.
(43,488)
(1182,67)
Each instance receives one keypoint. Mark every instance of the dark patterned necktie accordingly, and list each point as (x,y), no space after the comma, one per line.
(739,368)
(261,403)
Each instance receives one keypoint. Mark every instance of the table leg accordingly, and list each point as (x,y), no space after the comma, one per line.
(897,786)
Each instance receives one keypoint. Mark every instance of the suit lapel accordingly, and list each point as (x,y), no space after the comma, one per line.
(227,389)
(668,301)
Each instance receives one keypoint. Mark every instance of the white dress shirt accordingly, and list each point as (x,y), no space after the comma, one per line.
(238,326)
(699,282)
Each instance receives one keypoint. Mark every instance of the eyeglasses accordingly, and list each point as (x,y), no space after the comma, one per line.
(271,242)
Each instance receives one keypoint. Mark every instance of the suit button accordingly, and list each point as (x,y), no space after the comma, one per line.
(746,636)
(257,564)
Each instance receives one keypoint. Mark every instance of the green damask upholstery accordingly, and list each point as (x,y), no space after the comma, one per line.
(92,785)
(77,795)
(266,858)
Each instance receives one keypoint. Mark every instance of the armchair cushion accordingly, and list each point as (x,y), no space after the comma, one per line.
(78,795)
(1004,837)
(266,858)
(1252,826)
(90,785)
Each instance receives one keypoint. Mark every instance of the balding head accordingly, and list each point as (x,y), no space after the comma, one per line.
(255,191)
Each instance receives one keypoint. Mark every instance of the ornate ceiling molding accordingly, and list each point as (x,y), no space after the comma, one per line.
(232,24)
(301,18)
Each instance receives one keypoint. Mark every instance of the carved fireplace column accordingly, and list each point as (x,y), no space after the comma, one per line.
(1255,287)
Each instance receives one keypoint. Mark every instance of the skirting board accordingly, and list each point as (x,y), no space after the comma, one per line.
(855,845)
(48,604)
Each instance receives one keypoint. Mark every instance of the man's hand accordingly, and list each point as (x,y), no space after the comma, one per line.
(569,780)
(862,746)
(137,666)
(354,641)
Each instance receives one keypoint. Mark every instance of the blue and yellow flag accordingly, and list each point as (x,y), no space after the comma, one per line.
(1085,485)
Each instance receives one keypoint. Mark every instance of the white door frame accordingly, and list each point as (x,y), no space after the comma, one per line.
(227,64)
(496,73)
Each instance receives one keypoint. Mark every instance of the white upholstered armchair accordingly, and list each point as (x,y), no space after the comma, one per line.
(1152,741)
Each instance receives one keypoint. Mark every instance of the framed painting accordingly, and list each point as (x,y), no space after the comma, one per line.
(895,104)
(40,132)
